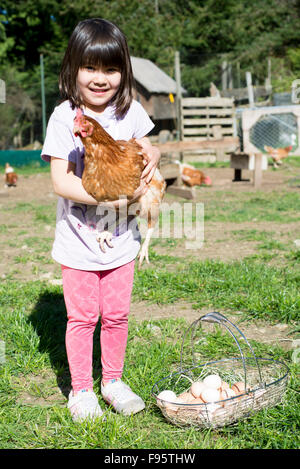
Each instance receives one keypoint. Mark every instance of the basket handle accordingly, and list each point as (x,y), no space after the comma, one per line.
(221,319)
(216,317)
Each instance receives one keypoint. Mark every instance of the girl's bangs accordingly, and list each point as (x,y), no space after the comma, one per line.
(102,56)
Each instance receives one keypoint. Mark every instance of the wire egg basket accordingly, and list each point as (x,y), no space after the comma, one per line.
(263,381)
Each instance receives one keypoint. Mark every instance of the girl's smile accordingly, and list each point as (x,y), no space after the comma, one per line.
(98,86)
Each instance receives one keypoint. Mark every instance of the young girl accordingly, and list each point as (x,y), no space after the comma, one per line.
(95,76)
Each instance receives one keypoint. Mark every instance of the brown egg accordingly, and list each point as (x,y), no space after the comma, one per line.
(227,394)
(197,400)
(197,388)
(186,397)
(238,388)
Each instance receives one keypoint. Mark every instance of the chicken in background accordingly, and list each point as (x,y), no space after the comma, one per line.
(278,154)
(112,169)
(10,176)
(192,176)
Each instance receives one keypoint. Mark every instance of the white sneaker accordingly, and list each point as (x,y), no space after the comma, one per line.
(120,396)
(84,405)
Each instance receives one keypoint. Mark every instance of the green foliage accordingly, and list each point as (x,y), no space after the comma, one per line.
(205,33)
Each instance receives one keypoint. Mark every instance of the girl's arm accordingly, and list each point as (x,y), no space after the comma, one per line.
(152,158)
(69,186)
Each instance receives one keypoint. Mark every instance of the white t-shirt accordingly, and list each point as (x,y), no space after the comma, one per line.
(75,243)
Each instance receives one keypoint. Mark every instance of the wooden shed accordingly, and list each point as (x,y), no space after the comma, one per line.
(152,89)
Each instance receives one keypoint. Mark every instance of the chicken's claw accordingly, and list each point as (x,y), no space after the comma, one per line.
(104,237)
(143,254)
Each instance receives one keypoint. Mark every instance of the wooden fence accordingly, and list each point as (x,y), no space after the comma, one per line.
(206,118)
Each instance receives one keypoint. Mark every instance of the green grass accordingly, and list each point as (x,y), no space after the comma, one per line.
(41,213)
(279,207)
(257,289)
(33,411)
(29,169)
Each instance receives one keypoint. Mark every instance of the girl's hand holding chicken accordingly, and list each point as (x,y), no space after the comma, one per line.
(152,157)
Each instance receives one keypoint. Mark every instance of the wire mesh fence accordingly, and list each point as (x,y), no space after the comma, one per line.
(276,127)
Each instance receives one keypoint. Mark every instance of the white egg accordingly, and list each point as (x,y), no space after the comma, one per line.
(210,395)
(167,395)
(213,381)
(212,407)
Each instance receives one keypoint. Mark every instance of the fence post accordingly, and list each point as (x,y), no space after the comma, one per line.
(250,89)
(43,95)
(224,75)
(178,98)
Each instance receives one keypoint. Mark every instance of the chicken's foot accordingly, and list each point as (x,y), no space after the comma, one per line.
(143,254)
(104,237)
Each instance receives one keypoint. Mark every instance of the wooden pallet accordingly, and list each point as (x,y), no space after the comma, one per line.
(206,118)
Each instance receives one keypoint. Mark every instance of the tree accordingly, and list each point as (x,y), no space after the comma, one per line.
(205,32)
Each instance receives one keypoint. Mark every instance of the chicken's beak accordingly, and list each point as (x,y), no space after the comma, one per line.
(76,130)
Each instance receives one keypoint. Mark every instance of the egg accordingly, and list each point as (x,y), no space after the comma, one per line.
(227,394)
(198,400)
(213,381)
(195,402)
(186,398)
(167,395)
(238,388)
(210,395)
(197,387)
(211,410)
(169,401)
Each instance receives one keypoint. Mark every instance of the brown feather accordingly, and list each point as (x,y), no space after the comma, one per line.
(112,168)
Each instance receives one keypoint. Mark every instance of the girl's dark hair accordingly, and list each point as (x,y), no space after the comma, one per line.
(99,43)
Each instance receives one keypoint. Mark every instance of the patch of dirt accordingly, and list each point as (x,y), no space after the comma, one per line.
(39,390)
(260,331)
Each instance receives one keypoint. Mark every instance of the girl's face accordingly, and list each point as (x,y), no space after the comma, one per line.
(97,86)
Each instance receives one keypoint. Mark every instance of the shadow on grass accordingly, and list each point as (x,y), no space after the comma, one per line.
(49,319)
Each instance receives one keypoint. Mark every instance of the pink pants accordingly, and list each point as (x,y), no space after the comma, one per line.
(88,294)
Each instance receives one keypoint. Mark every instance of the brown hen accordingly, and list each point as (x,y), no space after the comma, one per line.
(11,177)
(278,154)
(193,177)
(112,170)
